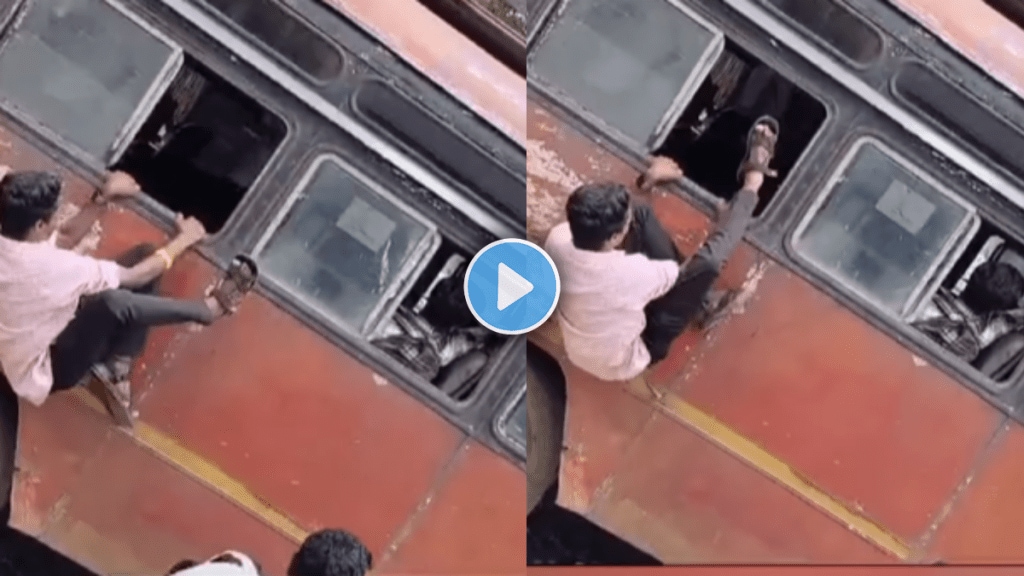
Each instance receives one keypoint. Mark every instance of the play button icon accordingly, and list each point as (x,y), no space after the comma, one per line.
(512,286)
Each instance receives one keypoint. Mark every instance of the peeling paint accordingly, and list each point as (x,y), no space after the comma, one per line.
(918,361)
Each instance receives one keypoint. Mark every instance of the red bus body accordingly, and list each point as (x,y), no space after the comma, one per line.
(803,427)
(260,429)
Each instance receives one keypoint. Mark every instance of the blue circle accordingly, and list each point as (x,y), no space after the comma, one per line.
(524,259)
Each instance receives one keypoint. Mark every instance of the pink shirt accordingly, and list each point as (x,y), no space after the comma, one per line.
(40,286)
(601,307)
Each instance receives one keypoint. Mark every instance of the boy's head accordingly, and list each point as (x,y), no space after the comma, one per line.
(28,202)
(599,216)
(331,553)
(994,286)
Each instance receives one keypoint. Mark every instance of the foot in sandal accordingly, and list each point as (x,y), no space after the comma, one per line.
(761,140)
(114,375)
(238,281)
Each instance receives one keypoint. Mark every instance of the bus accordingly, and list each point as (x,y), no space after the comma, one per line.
(352,155)
(813,421)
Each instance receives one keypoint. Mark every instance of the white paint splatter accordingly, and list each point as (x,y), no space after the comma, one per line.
(918,361)
(380,380)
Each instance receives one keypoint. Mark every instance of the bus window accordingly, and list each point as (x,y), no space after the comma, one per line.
(284,33)
(709,140)
(632,65)
(835,27)
(512,422)
(417,128)
(994,342)
(84,71)
(884,228)
(204,145)
(950,107)
(345,246)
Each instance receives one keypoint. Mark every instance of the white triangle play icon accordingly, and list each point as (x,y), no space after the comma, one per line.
(511,286)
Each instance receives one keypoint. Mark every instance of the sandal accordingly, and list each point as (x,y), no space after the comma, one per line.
(716,310)
(755,140)
(118,392)
(238,281)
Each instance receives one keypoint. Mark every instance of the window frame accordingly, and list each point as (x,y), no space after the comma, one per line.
(687,89)
(818,39)
(276,54)
(499,425)
(143,108)
(399,286)
(951,251)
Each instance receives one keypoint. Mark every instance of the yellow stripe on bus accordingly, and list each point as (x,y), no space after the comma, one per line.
(771,466)
(171,451)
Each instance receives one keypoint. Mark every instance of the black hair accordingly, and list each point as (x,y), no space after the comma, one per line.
(597,212)
(331,553)
(27,198)
(994,286)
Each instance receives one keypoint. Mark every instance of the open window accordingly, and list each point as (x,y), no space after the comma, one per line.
(203,146)
(992,304)
(885,229)
(631,65)
(434,333)
(85,71)
(709,139)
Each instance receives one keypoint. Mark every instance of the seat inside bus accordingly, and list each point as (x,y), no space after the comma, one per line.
(1002,359)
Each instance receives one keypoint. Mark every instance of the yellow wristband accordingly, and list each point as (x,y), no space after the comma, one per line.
(166,257)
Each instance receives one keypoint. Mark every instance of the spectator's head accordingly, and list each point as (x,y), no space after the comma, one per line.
(599,216)
(331,553)
(28,202)
(994,286)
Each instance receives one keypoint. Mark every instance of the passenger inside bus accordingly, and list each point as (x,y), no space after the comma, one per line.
(981,320)
(436,335)
(64,314)
(626,292)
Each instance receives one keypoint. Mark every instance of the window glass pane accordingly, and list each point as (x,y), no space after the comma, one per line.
(881,228)
(835,26)
(285,34)
(951,108)
(622,60)
(453,154)
(81,68)
(342,245)
(514,424)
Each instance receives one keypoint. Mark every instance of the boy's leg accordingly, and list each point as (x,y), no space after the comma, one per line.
(668,316)
(648,237)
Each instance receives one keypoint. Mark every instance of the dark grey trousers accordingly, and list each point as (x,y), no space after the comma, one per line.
(669,315)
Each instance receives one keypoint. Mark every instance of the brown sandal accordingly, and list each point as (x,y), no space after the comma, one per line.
(755,140)
(238,281)
(117,394)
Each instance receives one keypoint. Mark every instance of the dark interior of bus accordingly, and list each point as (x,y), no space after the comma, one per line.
(709,138)
(434,333)
(1001,359)
(203,146)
